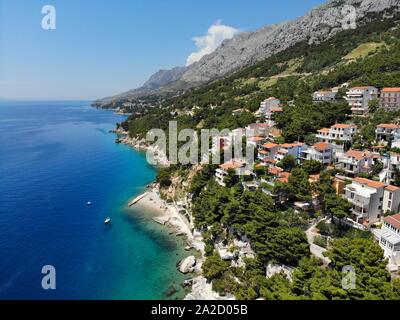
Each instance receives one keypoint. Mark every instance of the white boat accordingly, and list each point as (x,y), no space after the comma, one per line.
(107,221)
(89,203)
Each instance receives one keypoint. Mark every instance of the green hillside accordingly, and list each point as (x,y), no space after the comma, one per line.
(292,76)
(369,55)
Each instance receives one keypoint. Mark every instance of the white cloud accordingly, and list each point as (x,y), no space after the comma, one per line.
(211,41)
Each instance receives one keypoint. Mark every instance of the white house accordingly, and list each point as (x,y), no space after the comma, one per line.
(338,132)
(268,109)
(223,171)
(386,132)
(370,200)
(324,96)
(268,151)
(269,103)
(259,129)
(359,98)
(289,149)
(355,162)
(256,141)
(389,238)
(322,152)
(392,165)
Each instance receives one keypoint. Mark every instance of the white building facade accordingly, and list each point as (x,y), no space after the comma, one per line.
(389,239)
(358,99)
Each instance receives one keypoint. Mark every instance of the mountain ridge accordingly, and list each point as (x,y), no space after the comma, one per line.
(248,48)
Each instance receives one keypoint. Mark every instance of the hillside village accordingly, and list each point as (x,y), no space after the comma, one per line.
(324,191)
(368,179)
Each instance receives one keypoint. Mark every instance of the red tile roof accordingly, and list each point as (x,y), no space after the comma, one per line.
(291,145)
(342,126)
(284,177)
(370,183)
(275,170)
(388,126)
(231,165)
(391,90)
(270,145)
(321,146)
(392,188)
(358,155)
(269,160)
(256,139)
(394,220)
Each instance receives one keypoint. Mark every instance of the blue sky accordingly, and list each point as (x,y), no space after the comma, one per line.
(104,47)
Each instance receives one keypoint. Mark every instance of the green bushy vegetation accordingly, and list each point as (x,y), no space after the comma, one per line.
(275,230)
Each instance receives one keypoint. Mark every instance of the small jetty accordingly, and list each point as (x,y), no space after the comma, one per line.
(137,199)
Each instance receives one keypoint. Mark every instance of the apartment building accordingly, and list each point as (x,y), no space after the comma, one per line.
(390,99)
(270,115)
(338,132)
(269,108)
(223,171)
(256,141)
(268,104)
(392,166)
(268,151)
(370,199)
(354,162)
(259,129)
(389,238)
(386,132)
(359,97)
(289,149)
(322,152)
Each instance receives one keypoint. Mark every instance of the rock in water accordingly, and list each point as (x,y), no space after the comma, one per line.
(187,265)
(170,291)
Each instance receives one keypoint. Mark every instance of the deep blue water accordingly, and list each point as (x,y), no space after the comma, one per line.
(54,158)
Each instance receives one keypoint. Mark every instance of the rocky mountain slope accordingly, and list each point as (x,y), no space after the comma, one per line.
(248,48)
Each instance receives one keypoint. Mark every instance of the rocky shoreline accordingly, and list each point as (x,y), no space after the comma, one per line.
(169,216)
(158,156)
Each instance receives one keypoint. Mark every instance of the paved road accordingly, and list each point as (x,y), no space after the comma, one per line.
(317,251)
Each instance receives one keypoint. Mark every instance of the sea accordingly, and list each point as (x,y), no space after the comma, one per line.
(55,157)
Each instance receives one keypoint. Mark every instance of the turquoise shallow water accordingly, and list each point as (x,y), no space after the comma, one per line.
(54,157)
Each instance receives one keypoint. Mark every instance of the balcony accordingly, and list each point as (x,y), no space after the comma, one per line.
(357,200)
(348,161)
(321,136)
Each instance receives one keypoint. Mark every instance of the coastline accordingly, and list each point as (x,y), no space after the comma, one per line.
(168,215)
